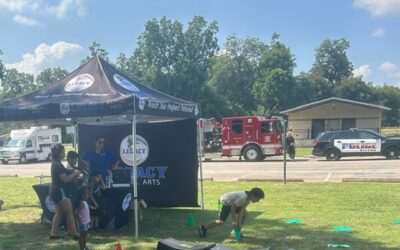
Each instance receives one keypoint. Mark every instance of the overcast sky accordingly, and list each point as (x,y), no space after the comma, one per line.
(36,34)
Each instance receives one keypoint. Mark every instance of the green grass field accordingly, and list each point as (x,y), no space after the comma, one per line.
(368,208)
(305,151)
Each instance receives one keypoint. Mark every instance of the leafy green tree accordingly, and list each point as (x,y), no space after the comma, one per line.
(234,72)
(173,60)
(390,97)
(15,84)
(96,49)
(354,88)
(49,76)
(331,61)
(303,90)
(1,67)
(274,87)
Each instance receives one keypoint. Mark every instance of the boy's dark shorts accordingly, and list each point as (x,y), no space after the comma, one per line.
(225,211)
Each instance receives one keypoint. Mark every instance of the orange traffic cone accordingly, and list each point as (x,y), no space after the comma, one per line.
(119,246)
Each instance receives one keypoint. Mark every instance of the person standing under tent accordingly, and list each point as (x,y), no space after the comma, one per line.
(100,159)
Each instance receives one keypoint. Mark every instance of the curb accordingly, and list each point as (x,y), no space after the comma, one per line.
(270,179)
(386,180)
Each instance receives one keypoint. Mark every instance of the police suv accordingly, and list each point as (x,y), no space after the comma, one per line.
(355,142)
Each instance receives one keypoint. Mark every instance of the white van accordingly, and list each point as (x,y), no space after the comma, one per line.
(30,144)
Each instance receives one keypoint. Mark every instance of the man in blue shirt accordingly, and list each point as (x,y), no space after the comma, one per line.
(100,159)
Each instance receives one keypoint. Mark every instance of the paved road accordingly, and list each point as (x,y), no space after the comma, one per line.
(307,169)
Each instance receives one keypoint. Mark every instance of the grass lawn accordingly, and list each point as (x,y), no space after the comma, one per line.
(300,152)
(368,208)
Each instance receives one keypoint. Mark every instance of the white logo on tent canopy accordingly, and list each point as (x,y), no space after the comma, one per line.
(79,83)
(125,83)
(126,150)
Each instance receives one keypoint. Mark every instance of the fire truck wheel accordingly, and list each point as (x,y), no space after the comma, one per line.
(4,161)
(252,153)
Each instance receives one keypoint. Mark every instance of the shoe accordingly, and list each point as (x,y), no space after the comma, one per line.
(54,237)
(75,237)
(202,232)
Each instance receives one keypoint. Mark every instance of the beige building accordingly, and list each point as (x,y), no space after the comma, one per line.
(308,120)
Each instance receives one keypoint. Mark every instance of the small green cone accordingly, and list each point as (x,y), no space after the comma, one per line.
(191,222)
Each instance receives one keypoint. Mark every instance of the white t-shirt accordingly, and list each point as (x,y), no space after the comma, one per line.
(238,199)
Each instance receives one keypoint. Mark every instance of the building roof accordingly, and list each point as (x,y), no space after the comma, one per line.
(312,104)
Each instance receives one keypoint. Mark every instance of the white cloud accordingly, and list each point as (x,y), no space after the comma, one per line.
(388,67)
(392,71)
(65,6)
(364,71)
(45,56)
(379,7)
(378,32)
(38,7)
(18,6)
(25,20)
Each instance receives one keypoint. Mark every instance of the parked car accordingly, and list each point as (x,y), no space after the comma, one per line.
(355,142)
(2,142)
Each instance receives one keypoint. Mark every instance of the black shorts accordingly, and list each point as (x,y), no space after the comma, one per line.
(57,195)
(225,211)
(94,212)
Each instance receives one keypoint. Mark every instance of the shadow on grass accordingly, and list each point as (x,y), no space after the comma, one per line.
(164,223)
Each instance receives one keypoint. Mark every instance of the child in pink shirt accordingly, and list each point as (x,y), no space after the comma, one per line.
(82,214)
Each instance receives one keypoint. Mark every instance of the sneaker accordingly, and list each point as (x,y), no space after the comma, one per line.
(202,231)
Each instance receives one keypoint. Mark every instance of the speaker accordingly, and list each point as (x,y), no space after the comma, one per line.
(173,244)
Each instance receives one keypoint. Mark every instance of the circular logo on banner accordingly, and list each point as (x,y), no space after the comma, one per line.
(79,83)
(126,201)
(50,204)
(125,83)
(126,150)
(65,108)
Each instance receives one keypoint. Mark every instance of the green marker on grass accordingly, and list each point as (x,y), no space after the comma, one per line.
(339,245)
(342,228)
(396,221)
(294,221)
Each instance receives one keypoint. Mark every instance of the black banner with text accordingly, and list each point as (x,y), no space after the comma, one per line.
(166,156)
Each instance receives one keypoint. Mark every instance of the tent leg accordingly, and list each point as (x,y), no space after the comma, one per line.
(134,176)
(76,137)
(199,154)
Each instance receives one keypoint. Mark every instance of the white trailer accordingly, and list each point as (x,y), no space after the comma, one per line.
(30,144)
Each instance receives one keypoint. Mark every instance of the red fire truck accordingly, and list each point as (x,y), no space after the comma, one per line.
(252,137)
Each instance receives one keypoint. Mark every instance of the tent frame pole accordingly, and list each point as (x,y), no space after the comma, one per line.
(75,137)
(134,175)
(199,156)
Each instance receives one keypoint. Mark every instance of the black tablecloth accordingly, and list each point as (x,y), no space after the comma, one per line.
(115,206)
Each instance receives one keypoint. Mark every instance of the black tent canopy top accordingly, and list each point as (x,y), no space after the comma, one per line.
(94,92)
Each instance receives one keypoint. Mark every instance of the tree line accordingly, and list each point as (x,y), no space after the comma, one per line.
(247,76)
